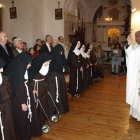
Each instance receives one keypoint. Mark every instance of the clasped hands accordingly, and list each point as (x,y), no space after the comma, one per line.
(24,106)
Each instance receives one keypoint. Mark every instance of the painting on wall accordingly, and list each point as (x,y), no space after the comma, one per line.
(13,13)
(113,37)
(58,14)
(1,19)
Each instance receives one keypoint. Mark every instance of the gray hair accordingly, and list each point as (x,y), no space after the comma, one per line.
(47,37)
(16,41)
(138,32)
(56,41)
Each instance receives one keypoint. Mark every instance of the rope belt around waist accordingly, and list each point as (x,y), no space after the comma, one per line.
(57,94)
(36,88)
(1,127)
(91,71)
(77,81)
(28,102)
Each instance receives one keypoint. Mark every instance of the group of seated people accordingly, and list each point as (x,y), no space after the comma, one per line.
(24,80)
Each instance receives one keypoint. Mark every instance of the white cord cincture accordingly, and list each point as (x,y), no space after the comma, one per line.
(57,95)
(36,88)
(28,102)
(1,127)
(77,81)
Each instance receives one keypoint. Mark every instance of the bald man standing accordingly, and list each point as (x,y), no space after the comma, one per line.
(6,53)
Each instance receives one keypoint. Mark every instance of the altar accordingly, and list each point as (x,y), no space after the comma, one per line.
(110,25)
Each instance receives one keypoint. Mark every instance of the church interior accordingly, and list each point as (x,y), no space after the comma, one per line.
(101,112)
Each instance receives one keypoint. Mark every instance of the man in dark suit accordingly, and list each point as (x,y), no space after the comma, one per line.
(5,51)
(18,46)
(47,46)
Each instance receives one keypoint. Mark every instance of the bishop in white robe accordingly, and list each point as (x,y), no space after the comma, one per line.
(133,77)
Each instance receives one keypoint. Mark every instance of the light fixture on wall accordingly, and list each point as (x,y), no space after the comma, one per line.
(12,3)
(108,19)
(0,6)
(58,4)
(134,10)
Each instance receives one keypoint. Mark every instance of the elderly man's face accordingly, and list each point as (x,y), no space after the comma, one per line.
(55,43)
(50,40)
(3,38)
(138,38)
(19,45)
(61,39)
(67,43)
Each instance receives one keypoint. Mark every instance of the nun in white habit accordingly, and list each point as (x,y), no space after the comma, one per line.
(85,67)
(76,68)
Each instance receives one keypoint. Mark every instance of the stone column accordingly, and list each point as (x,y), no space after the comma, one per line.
(69,21)
(104,11)
(104,28)
(89,32)
(99,34)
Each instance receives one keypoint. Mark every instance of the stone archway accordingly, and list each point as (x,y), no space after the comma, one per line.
(90,5)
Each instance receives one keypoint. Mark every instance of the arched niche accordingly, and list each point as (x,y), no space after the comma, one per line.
(114,14)
(113,37)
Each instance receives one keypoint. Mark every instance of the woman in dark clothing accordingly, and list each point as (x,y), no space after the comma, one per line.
(75,65)
(56,81)
(31,52)
(37,50)
(96,71)
(89,74)
(37,77)
(23,104)
(7,128)
(85,67)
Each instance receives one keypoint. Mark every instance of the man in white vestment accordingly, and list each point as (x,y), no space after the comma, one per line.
(133,75)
